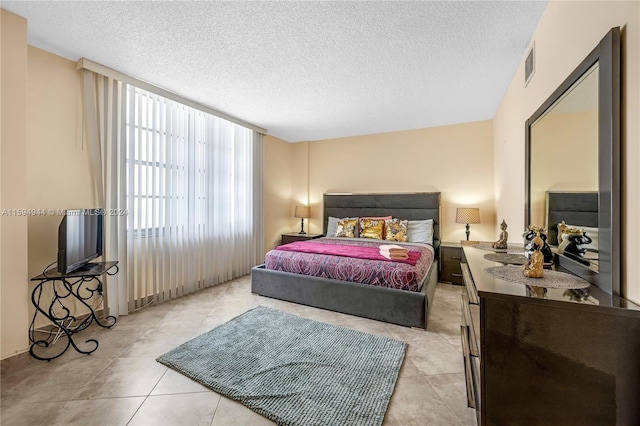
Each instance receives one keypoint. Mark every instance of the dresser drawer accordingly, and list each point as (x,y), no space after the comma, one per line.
(451,274)
(450,258)
(469,373)
(450,254)
(471,321)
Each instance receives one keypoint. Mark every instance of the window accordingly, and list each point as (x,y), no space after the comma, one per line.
(182,165)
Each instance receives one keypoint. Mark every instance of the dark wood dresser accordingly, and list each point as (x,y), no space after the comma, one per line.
(552,357)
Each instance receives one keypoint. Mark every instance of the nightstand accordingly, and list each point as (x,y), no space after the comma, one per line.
(450,258)
(294,236)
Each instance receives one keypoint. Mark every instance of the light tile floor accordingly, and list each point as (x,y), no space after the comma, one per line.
(122,384)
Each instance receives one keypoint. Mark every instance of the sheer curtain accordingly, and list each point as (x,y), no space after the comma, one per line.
(184,188)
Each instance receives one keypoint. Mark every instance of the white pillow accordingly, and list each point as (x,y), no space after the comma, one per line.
(332,226)
(420,231)
(593,234)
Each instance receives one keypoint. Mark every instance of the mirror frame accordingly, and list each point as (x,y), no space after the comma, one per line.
(607,55)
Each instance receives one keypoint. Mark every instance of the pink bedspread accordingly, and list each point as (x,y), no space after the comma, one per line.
(372,253)
(382,273)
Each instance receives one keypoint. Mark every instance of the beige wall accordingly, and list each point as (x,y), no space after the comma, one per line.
(278,157)
(456,160)
(286,184)
(13,163)
(44,168)
(299,182)
(567,32)
(58,169)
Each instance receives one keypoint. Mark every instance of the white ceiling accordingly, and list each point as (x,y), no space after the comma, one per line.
(305,70)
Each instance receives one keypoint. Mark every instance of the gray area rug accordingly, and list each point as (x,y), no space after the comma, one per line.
(293,370)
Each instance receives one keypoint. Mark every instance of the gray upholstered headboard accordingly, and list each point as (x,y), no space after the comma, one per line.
(415,206)
(575,208)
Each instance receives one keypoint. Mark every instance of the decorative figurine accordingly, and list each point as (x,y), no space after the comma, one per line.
(562,229)
(504,236)
(534,268)
(537,291)
(545,249)
(573,245)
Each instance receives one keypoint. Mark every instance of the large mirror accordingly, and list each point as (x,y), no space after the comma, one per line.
(564,171)
(572,161)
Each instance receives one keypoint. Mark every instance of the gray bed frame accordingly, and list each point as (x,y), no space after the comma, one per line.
(401,307)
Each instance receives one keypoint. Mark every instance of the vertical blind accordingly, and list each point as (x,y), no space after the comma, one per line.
(192,203)
(181,187)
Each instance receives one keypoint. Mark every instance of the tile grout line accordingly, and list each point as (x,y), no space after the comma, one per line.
(441,399)
(147,396)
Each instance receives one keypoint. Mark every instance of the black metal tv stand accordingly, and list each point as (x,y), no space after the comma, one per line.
(80,285)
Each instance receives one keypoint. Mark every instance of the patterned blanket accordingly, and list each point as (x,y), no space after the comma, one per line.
(372,253)
(379,272)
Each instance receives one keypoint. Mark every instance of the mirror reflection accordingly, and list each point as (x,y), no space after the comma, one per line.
(564,171)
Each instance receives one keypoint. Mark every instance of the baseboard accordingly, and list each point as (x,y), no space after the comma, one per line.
(22,359)
(15,361)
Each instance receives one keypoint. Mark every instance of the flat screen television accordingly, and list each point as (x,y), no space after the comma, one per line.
(79,238)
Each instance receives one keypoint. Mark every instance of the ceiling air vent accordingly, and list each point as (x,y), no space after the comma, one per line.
(529,66)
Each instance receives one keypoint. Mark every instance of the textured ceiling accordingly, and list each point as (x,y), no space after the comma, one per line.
(305,70)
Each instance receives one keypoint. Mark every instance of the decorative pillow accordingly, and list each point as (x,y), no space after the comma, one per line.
(346,227)
(396,230)
(360,224)
(420,231)
(371,228)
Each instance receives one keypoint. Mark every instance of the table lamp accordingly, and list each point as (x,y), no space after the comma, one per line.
(302,212)
(467,215)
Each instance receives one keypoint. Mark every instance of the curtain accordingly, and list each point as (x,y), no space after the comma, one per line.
(185,190)
(104,105)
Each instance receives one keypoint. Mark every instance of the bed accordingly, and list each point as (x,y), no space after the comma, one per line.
(577,210)
(397,306)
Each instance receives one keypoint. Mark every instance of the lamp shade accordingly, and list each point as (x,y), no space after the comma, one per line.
(467,215)
(302,211)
